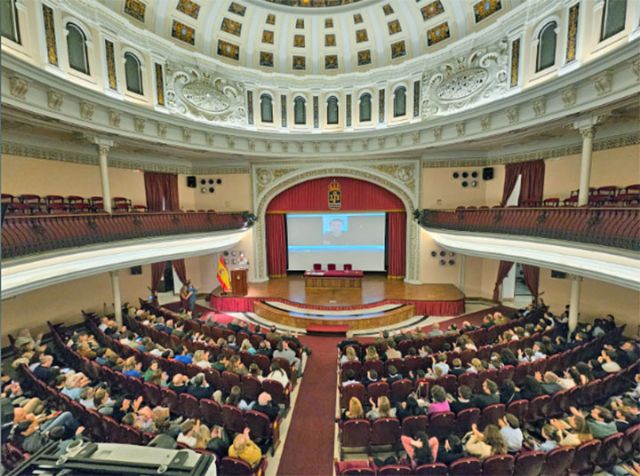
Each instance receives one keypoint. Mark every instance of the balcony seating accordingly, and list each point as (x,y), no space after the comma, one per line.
(347,267)
(317,267)
(331,267)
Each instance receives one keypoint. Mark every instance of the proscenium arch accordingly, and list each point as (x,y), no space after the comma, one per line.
(410,203)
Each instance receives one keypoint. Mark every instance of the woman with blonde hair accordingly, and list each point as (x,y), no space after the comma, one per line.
(355,409)
(201,359)
(372,354)
(247,347)
(383,409)
(245,449)
(203,435)
(349,355)
(483,445)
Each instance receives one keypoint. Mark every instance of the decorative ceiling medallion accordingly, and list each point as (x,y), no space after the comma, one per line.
(331,62)
(485,9)
(267,37)
(394,27)
(189,8)
(237,9)
(266,59)
(330,40)
(431,10)
(228,50)
(183,32)
(398,49)
(466,81)
(135,9)
(204,96)
(299,63)
(364,57)
(231,26)
(437,34)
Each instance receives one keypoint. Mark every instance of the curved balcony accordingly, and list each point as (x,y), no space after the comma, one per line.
(612,227)
(26,235)
(600,243)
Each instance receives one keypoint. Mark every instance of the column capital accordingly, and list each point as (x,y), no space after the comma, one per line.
(101,141)
(587,125)
(576,278)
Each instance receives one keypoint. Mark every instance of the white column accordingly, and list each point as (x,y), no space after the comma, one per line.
(461,272)
(574,302)
(117,300)
(585,165)
(103,153)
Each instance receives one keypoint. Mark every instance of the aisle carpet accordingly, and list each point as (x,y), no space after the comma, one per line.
(309,446)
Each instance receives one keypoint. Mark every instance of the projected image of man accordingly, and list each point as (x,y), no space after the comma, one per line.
(336,234)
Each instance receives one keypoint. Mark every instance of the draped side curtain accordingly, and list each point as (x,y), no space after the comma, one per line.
(531,190)
(157,271)
(276,245)
(162,191)
(396,245)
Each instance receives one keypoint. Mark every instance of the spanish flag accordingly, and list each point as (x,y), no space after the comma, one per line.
(223,276)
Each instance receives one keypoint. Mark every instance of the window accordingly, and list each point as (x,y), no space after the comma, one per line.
(299,110)
(133,73)
(332,110)
(400,102)
(266,108)
(77,48)
(546,55)
(614,16)
(365,107)
(9,20)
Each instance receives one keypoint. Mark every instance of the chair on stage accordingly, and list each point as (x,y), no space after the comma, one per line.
(347,267)
(331,267)
(317,267)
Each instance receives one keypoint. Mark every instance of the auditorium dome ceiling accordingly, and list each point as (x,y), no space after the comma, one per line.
(313,37)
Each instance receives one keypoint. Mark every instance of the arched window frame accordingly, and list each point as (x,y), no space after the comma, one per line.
(327,104)
(87,43)
(393,100)
(537,35)
(605,16)
(371,106)
(272,99)
(294,103)
(136,55)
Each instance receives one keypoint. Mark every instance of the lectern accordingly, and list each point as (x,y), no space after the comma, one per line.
(239,282)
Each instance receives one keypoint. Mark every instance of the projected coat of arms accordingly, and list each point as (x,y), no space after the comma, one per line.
(335,196)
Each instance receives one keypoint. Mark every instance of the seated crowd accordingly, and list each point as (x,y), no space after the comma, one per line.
(444,406)
(94,368)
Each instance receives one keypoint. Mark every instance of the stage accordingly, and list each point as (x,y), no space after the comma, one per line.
(376,290)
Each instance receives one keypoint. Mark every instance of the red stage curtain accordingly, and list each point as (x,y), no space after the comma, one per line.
(396,246)
(181,269)
(157,270)
(532,279)
(276,245)
(503,270)
(312,195)
(531,184)
(161,191)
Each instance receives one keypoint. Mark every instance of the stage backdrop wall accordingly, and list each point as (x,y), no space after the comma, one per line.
(356,195)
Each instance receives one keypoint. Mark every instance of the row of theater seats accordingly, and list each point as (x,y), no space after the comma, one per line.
(560,461)
(27,204)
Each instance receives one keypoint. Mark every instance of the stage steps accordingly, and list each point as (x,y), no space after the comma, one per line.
(312,317)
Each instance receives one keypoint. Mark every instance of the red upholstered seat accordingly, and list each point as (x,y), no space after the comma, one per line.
(433,469)
(354,467)
(331,267)
(413,424)
(498,465)
(529,463)
(317,267)
(585,456)
(354,434)
(392,469)
(347,267)
(466,467)
(466,418)
(558,461)
(385,432)
(440,424)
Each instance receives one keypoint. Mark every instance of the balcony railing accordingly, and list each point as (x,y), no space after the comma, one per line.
(29,234)
(614,227)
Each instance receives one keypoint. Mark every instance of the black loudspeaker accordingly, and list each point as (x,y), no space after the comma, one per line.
(558,274)
(487,173)
(136,270)
(191,181)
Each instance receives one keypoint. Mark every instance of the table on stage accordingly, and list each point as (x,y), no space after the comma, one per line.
(333,279)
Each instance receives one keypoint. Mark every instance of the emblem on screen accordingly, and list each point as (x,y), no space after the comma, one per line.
(335,196)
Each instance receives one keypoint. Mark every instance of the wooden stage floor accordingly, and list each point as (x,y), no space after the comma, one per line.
(375,288)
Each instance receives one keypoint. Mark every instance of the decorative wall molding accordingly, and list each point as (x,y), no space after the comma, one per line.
(466,81)
(401,177)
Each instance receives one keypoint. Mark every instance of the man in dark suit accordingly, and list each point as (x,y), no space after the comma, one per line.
(463,401)
(488,396)
(266,406)
(199,387)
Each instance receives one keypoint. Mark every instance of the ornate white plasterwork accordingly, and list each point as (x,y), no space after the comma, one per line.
(466,80)
(401,177)
(205,96)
